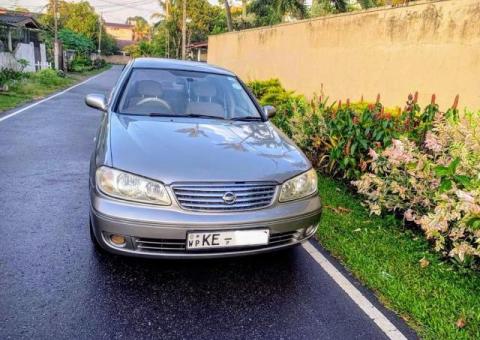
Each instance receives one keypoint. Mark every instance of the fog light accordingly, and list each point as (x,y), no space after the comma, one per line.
(118,240)
(310,230)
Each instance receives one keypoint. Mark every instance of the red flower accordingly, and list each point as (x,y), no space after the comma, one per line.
(455,102)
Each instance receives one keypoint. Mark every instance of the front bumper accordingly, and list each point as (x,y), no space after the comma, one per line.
(154,231)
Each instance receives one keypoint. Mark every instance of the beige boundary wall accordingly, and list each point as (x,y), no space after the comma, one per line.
(429,47)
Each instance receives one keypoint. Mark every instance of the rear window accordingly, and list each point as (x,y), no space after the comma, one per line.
(173,92)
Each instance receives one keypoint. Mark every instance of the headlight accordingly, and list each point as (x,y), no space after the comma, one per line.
(126,186)
(298,187)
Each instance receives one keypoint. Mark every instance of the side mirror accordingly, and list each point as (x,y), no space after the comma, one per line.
(97,101)
(270,111)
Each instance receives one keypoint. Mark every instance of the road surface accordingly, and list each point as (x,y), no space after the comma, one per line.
(54,285)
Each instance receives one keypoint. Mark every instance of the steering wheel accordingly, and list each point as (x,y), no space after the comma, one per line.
(155,100)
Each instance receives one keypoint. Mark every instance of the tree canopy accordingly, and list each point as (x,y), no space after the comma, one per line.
(79,18)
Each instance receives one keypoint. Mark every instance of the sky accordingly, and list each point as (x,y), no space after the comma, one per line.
(112,10)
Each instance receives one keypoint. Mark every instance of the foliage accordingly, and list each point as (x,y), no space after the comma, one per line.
(75,41)
(397,264)
(271,12)
(146,49)
(80,19)
(204,18)
(47,77)
(141,28)
(271,92)
(32,86)
(422,164)
(352,133)
(9,74)
(80,63)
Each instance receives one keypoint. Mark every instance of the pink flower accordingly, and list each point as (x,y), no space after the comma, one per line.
(465,196)
(373,154)
(432,143)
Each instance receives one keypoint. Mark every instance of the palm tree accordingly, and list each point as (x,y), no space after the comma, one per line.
(141,29)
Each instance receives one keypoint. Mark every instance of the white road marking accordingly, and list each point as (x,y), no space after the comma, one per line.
(48,98)
(381,320)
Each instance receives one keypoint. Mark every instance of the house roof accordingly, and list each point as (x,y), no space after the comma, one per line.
(198,44)
(117,25)
(18,19)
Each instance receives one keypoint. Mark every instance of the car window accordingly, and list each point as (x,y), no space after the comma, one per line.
(174,92)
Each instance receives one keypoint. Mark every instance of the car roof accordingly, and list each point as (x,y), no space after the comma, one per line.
(173,64)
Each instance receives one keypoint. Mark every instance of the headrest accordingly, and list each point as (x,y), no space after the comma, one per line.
(149,88)
(204,89)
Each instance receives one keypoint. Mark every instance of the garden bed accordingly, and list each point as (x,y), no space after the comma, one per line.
(401,189)
(34,86)
(438,300)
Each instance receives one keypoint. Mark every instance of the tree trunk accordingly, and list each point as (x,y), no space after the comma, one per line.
(244,9)
(229,16)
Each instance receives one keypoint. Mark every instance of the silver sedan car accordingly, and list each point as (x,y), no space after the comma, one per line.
(188,165)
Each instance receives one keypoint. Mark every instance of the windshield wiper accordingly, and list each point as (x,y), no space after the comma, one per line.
(247,118)
(161,114)
(196,115)
(190,115)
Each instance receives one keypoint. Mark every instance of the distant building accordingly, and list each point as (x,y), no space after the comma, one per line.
(198,51)
(20,39)
(122,33)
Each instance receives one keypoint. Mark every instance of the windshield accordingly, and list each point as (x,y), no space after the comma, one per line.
(186,93)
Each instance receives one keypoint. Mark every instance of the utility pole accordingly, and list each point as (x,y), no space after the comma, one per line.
(184,29)
(55,41)
(229,16)
(100,35)
(167,17)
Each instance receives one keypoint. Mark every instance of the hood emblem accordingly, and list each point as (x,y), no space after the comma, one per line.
(229,197)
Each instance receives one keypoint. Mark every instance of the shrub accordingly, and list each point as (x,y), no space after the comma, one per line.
(8,74)
(436,186)
(423,165)
(271,92)
(80,63)
(99,63)
(352,134)
(48,77)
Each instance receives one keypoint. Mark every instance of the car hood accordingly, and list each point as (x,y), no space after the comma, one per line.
(198,150)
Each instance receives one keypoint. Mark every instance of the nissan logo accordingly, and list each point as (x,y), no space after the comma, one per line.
(229,197)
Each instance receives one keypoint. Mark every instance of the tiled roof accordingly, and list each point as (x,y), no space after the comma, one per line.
(18,19)
(117,25)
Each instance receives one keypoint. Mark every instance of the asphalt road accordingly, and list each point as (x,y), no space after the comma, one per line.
(54,285)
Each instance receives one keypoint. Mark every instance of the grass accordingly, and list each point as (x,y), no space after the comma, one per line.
(386,256)
(34,88)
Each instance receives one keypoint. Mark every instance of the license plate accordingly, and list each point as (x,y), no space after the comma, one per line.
(227,239)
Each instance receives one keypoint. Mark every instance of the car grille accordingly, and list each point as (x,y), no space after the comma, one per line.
(210,196)
(156,245)
(151,245)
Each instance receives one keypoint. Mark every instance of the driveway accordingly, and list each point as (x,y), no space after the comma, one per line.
(54,285)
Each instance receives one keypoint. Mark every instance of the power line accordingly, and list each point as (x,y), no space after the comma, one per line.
(130,5)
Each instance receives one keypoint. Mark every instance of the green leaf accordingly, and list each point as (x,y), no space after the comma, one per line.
(442,171)
(445,185)
(453,165)
(463,180)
